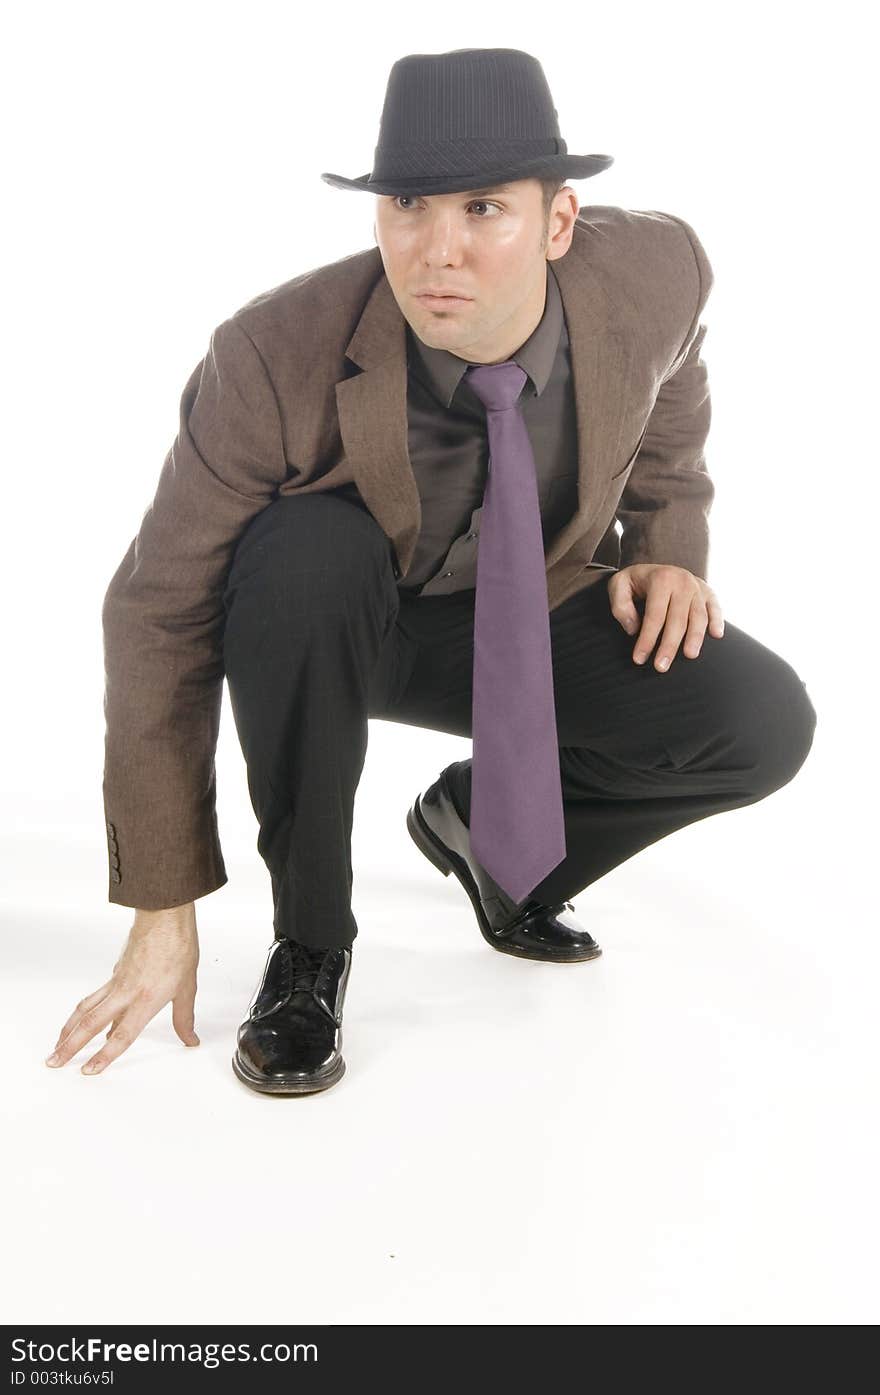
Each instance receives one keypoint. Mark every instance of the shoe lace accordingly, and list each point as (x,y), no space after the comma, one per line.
(306,961)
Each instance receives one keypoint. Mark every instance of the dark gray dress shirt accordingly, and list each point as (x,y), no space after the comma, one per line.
(448,449)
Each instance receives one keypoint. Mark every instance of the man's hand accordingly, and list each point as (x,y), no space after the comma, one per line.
(676,601)
(157,965)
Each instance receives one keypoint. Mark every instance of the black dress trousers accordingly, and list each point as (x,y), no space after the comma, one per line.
(319,638)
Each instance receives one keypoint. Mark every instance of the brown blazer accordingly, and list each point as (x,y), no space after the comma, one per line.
(303,389)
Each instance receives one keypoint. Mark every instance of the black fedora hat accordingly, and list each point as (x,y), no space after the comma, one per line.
(468,119)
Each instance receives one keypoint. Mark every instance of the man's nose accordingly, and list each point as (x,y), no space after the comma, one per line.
(442,242)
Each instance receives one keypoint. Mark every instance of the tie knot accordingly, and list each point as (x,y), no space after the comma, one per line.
(498,385)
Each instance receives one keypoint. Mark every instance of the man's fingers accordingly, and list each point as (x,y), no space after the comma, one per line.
(90,1022)
(672,614)
(716,619)
(696,630)
(678,611)
(131,1024)
(183,1015)
(85,1006)
(656,607)
(623,607)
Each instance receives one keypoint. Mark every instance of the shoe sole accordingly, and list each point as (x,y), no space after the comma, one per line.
(446,862)
(277,1085)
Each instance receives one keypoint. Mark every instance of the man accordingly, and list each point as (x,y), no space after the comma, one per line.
(509,368)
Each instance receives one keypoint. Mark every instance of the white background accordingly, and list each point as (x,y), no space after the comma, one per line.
(683,1131)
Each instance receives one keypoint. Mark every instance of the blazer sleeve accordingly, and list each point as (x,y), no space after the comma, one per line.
(163,621)
(664,508)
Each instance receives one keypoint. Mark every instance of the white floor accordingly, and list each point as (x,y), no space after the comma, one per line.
(683,1131)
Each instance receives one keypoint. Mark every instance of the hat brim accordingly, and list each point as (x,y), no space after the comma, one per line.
(565,166)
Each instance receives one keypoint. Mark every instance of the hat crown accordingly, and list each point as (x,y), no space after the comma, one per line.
(467,94)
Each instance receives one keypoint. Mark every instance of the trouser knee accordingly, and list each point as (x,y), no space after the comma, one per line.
(782,723)
(309,558)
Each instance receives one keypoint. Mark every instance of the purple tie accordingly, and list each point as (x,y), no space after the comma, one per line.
(517,828)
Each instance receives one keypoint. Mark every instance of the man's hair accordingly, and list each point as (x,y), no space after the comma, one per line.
(550,186)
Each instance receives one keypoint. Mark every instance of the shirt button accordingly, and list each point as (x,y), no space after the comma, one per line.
(472,535)
(448,573)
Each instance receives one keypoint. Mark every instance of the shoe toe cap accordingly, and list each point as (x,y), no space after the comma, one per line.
(270,1050)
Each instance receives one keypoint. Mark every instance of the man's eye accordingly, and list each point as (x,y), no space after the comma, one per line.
(475,203)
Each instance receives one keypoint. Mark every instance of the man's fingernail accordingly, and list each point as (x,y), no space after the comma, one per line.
(663,663)
(53,1059)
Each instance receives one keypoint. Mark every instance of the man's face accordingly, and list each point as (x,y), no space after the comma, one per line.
(485,245)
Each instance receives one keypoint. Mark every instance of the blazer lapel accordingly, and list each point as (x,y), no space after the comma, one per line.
(602,349)
(373,423)
(372,405)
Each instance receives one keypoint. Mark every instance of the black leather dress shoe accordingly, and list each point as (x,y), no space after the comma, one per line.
(291,1041)
(528,929)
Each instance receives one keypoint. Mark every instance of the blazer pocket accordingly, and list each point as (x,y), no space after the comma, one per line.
(623,469)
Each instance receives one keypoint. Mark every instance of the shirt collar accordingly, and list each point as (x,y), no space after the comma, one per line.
(443,371)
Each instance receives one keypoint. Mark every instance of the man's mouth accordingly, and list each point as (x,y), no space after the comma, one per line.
(443,302)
